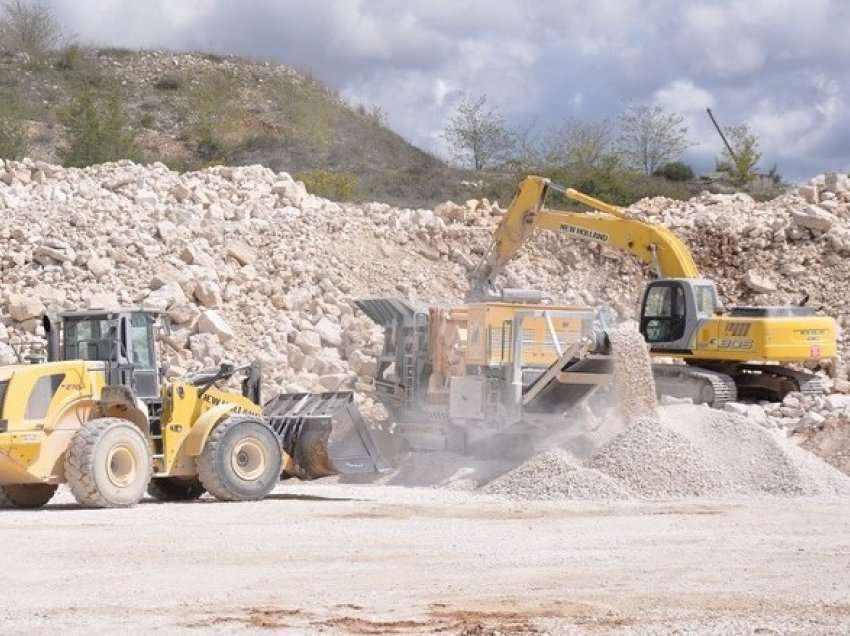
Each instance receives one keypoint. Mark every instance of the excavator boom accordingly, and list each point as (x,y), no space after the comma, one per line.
(608,224)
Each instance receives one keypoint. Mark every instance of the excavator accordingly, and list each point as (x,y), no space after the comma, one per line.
(720,353)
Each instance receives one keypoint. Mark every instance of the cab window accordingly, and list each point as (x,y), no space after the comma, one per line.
(663,315)
(706,299)
(140,335)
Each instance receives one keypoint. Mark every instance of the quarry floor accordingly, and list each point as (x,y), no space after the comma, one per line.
(358,559)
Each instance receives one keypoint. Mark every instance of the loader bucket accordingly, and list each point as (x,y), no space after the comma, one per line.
(324,434)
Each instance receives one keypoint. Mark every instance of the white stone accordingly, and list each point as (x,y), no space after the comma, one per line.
(23,308)
(212,322)
(758,282)
(99,267)
(308,341)
(330,332)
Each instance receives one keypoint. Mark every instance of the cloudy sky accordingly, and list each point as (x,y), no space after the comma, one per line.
(782,66)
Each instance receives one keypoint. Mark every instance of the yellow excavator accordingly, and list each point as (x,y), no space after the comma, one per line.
(727,352)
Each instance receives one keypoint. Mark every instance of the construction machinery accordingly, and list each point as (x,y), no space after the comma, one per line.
(487,378)
(727,352)
(98,416)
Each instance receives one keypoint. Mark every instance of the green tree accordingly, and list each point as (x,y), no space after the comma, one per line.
(97,132)
(477,134)
(579,145)
(13,139)
(649,137)
(28,26)
(741,167)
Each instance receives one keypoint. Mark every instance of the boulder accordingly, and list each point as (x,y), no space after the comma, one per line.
(23,308)
(243,253)
(758,282)
(329,332)
(99,267)
(308,341)
(210,321)
(813,217)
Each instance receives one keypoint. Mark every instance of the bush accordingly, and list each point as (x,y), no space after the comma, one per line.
(339,186)
(13,139)
(169,82)
(71,58)
(217,117)
(97,132)
(675,171)
(147,120)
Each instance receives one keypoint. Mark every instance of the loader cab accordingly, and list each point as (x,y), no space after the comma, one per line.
(671,311)
(124,339)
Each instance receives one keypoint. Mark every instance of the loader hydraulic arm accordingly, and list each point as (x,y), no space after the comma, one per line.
(607,224)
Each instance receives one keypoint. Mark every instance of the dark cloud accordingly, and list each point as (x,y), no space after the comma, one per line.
(779,65)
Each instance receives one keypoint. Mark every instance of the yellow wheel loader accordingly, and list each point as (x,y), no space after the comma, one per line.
(728,352)
(96,416)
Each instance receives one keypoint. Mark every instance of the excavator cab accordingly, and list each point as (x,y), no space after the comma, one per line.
(671,312)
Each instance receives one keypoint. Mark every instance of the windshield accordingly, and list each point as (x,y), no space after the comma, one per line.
(91,338)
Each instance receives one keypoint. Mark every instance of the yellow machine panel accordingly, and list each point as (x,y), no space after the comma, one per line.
(481,333)
(183,409)
(42,408)
(789,339)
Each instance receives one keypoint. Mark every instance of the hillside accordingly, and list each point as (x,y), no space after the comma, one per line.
(194,110)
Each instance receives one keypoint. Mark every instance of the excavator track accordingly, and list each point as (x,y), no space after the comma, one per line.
(703,386)
(773,382)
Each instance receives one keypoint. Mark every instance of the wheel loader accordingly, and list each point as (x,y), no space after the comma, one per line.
(728,352)
(97,416)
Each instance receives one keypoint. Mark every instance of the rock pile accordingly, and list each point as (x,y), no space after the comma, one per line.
(245,263)
(248,265)
(555,475)
(690,452)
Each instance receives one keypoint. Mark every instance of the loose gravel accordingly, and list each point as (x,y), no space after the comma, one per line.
(654,462)
(554,475)
(755,459)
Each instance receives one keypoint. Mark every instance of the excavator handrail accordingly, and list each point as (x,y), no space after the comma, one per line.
(608,224)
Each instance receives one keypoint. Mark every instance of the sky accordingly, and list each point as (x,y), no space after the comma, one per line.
(780,66)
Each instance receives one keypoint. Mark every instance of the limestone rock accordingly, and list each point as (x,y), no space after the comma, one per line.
(212,322)
(23,308)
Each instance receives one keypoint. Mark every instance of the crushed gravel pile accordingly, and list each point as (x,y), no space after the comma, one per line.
(633,382)
(653,461)
(756,460)
(554,475)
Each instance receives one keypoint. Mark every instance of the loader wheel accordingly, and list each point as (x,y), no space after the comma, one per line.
(26,495)
(175,489)
(241,460)
(108,464)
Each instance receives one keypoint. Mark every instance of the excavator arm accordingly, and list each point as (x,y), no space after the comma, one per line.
(607,224)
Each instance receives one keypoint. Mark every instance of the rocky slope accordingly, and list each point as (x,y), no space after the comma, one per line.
(260,113)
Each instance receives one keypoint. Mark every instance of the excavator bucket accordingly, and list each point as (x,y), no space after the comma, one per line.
(324,434)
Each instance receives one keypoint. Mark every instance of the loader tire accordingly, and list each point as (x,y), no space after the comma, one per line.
(175,489)
(108,464)
(241,460)
(26,495)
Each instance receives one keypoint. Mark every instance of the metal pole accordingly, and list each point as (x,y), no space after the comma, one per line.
(722,136)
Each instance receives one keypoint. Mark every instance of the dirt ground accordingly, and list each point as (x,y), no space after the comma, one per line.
(355,559)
